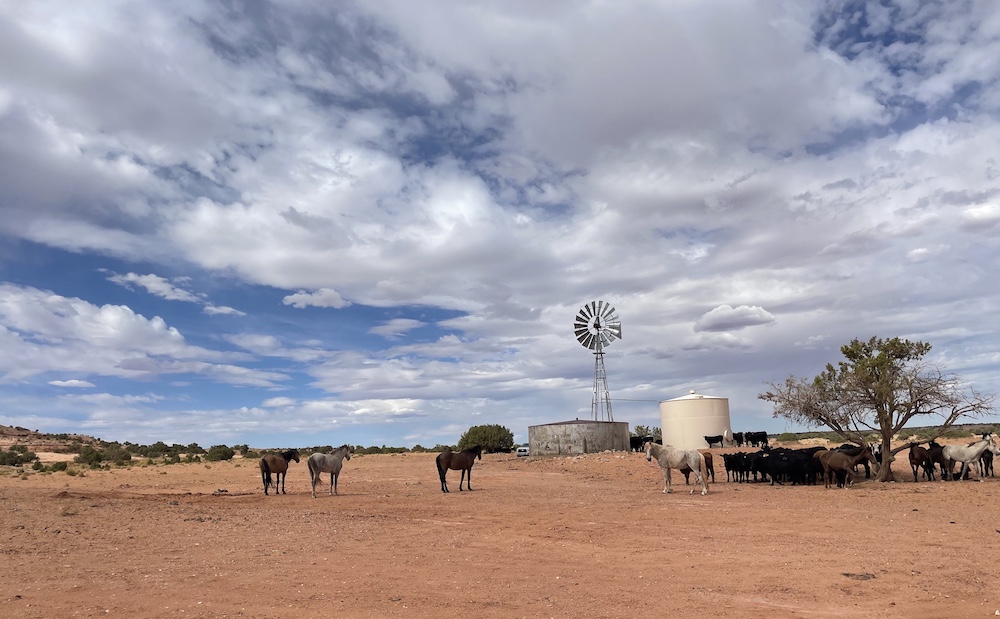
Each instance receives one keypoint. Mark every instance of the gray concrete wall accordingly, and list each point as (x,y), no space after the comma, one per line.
(577,437)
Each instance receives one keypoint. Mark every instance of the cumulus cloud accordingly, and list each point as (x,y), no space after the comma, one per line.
(324,297)
(729,318)
(495,167)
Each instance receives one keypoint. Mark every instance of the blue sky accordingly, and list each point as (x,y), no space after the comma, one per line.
(302,223)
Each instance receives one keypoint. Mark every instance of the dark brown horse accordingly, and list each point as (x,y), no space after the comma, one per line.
(277,464)
(920,458)
(462,460)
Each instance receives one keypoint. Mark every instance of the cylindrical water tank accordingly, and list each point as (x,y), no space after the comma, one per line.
(687,420)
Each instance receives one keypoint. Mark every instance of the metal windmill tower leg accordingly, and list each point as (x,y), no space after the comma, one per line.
(600,407)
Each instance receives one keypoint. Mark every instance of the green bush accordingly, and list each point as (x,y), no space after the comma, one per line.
(59,466)
(88,455)
(219,452)
(492,438)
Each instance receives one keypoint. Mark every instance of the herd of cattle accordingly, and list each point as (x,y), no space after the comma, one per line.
(780,465)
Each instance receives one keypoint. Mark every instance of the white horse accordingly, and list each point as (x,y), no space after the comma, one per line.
(967,454)
(328,463)
(670,458)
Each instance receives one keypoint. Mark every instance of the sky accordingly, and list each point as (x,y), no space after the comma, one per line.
(313,223)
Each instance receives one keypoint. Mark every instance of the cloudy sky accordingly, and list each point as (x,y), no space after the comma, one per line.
(308,222)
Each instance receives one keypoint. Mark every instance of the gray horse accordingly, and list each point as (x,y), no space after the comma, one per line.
(670,458)
(331,463)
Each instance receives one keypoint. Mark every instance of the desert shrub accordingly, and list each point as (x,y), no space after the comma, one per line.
(219,452)
(252,454)
(189,458)
(14,458)
(59,466)
(88,455)
(37,466)
(786,437)
(956,433)
(116,454)
(71,472)
(172,459)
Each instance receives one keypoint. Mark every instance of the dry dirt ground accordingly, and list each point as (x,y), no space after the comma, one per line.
(588,536)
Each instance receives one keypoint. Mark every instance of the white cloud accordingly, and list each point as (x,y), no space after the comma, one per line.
(71,383)
(729,318)
(324,297)
(396,327)
(155,285)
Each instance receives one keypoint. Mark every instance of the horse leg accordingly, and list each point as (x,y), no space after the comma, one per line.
(468,482)
(333,483)
(670,486)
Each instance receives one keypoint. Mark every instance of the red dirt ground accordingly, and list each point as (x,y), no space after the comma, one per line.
(588,536)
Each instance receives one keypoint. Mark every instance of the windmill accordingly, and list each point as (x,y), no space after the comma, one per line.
(597,325)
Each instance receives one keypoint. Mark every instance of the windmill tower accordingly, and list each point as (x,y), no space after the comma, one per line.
(596,326)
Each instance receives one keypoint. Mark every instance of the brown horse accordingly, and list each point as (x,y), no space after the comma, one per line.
(920,458)
(709,469)
(462,460)
(835,461)
(277,464)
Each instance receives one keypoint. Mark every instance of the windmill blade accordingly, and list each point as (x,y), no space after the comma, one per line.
(605,340)
(609,310)
(588,340)
(614,328)
(581,333)
(600,309)
(593,308)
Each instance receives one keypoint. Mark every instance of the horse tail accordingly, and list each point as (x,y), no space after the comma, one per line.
(704,470)
(265,473)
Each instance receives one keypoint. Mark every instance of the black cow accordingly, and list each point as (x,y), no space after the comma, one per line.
(714,439)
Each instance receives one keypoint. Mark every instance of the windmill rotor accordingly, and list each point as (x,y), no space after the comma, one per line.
(597,325)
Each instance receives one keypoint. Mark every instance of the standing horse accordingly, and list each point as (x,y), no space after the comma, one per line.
(277,464)
(967,454)
(331,463)
(462,460)
(834,461)
(670,458)
(920,458)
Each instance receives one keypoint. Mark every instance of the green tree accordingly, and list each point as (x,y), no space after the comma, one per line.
(219,452)
(881,386)
(492,438)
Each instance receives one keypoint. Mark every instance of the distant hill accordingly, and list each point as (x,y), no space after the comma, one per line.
(43,442)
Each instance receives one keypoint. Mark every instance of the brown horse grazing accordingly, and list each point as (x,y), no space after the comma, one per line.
(277,464)
(920,458)
(834,461)
(462,460)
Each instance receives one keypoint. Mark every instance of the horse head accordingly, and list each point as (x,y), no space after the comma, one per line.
(991,444)
(294,455)
(649,451)
(347,451)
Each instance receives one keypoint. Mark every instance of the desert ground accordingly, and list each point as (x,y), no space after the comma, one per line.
(584,536)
